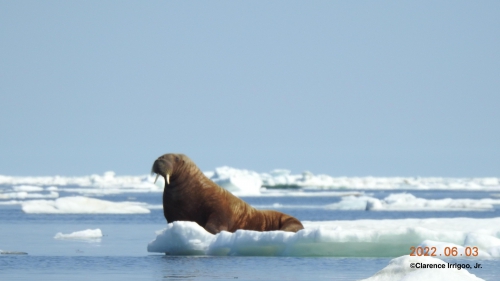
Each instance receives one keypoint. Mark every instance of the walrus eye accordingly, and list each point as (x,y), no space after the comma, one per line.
(176,159)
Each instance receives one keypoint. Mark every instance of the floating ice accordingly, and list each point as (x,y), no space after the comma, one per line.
(12,253)
(400,269)
(359,238)
(408,202)
(83,234)
(82,205)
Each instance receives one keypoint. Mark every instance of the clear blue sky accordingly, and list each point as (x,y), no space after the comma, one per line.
(345,88)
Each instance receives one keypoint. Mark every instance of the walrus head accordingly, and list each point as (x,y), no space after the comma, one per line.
(167,164)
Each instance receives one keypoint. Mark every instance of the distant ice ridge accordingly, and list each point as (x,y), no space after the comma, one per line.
(237,181)
(108,180)
(284,178)
(82,234)
(400,269)
(359,238)
(408,202)
(244,182)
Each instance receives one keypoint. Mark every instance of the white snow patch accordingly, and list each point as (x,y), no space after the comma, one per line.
(82,205)
(399,269)
(83,234)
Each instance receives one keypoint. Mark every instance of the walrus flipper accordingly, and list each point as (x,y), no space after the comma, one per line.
(214,226)
(291,224)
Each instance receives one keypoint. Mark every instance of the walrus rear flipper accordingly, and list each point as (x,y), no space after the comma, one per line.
(291,224)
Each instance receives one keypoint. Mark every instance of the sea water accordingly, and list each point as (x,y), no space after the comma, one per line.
(121,253)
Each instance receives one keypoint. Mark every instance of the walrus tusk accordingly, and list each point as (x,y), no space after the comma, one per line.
(157,175)
(168,178)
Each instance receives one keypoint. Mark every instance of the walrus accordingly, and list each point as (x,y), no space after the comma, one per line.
(189,195)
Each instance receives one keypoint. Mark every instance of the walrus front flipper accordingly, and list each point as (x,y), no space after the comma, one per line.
(214,225)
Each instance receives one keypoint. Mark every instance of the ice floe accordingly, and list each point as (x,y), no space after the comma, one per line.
(82,205)
(359,238)
(2,252)
(400,269)
(408,202)
(82,234)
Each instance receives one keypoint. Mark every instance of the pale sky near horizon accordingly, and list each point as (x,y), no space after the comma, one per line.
(344,88)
